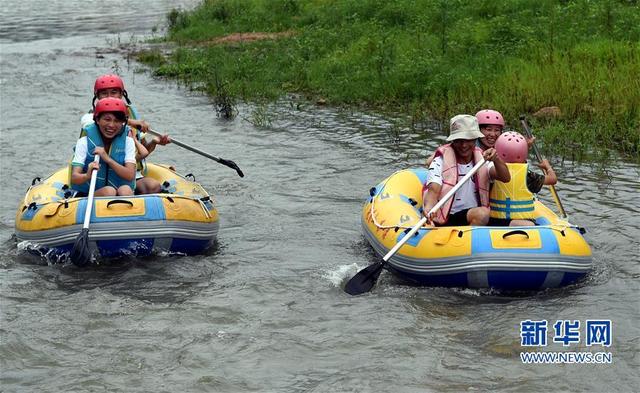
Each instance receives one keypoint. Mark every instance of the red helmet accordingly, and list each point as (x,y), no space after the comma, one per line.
(110,104)
(108,81)
(512,147)
(489,116)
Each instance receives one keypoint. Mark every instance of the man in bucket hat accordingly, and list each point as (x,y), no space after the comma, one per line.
(470,204)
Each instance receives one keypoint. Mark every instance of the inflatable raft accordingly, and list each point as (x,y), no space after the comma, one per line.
(181,219)
(553,253)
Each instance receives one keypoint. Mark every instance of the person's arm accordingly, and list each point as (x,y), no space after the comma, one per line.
(139,124)
(151,144)
(77,163)
(434,186)
(550,177)
(430,159)
(141,151)
(500,171)
(530,141)
(430,198)
(128,170)
(79,177)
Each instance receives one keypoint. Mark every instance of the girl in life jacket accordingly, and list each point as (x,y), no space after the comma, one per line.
(109,137)
(491,126)
(511,203)
(112,86)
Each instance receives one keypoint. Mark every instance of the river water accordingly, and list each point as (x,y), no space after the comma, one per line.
(264,310)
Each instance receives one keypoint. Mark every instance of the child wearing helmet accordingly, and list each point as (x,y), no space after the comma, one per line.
(511,202)
(491,125)
(112,86)
(109,138)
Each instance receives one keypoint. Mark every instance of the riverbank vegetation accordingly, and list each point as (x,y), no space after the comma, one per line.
(430,59)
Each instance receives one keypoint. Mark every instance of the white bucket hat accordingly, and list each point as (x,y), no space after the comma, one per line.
(464,127)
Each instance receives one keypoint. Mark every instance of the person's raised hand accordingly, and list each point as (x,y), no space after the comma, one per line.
(490,154)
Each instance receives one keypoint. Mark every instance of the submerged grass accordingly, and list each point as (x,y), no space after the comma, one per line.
(430,58)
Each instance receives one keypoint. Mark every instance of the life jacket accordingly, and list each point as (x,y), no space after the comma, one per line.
(106,176)
(512,200)
(132,113)
(450,179)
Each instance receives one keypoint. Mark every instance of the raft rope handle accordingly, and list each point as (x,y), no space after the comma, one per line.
(373,217)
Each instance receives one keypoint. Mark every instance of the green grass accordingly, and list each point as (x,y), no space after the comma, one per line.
(431,58)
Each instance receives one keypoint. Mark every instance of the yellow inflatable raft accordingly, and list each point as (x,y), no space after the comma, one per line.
(552,253)
(180,219)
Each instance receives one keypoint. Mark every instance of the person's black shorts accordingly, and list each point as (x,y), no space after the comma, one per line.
(499,222)
(458,218)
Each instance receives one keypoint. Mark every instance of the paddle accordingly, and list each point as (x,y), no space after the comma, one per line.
(366,278)
(80,253)
(554,193)
(228,163)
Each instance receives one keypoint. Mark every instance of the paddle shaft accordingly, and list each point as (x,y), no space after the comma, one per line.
(92,189)
(554,193)
(222,161)
(435,208)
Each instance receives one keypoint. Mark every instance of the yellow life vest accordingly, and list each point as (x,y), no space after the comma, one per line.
(512,200)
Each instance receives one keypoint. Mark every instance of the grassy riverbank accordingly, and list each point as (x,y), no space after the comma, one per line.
(428,58)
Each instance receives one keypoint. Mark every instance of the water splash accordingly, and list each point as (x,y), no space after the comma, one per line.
(341,273)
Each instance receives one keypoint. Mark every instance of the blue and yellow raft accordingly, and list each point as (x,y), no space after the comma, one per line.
(553,253)
(181,219)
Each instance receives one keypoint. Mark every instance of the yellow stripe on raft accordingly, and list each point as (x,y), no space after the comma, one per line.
(184,209)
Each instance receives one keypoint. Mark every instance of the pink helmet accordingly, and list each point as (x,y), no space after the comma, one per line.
(489,116)
(512,147)
(107,82)
(110,104)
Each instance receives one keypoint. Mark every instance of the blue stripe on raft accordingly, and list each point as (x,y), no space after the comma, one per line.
(415,239)
(154,210)
(503,280)
(421,173)
(29,213)
(188,246)
(119,247)
(543,221)
(481,242)
(514,280)
(570,278)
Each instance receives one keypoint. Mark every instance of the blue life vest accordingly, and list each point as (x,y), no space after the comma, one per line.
(106,176)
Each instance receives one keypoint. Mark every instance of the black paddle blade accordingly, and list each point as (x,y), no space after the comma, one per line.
(364,280)
(232,165)
(80,254)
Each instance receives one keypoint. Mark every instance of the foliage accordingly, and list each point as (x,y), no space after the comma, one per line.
(443,57)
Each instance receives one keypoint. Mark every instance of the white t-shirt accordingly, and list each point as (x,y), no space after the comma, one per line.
(81,151)
(465,197)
